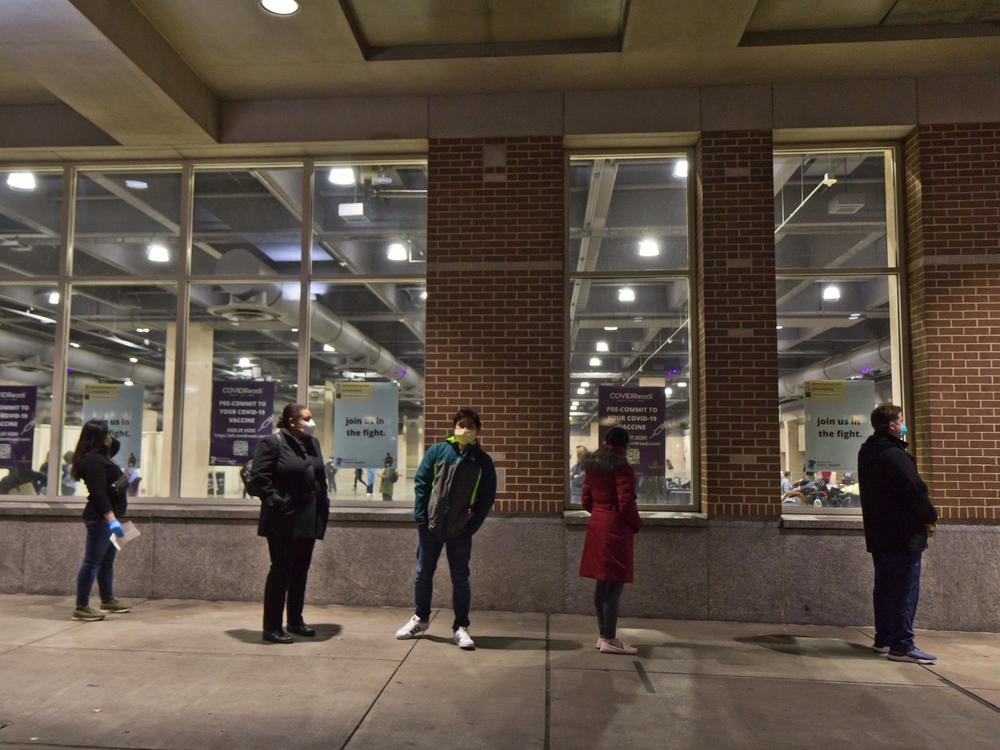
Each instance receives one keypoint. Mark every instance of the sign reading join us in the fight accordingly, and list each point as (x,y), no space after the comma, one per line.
(366,418)
(121,407)
(838,421)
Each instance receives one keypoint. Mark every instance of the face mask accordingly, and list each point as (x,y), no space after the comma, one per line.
(307,428)
(902,433)
(464,436)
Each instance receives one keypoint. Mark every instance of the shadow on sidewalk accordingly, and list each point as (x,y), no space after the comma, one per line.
(323,633)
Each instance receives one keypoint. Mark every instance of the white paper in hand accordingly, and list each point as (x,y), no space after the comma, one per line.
(131,532)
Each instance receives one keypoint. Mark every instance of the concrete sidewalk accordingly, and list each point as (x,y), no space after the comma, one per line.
(196,674)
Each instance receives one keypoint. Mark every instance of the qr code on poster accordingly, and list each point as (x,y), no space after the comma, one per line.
(632,454)
(241,448)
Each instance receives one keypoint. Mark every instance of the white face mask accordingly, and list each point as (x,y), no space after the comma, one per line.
(307,428)
(464,436)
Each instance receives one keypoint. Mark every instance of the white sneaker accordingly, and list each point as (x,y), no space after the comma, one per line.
(414,626)
(463,639)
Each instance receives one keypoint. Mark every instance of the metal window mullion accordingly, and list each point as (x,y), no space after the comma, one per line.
(180,337)
(305,267)
(60,353)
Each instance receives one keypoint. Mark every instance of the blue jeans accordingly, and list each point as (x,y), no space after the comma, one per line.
(895,595)
(98,562)
(459,552)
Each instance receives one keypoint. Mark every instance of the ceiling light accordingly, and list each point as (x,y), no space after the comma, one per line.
(423,294)
(142,330)
(626,294)
(74,344)
(341,176)
(295,330)
(382,178)
(831,292)
(668,392)
(136,184)
(585,384)
(574,404)
(595,362)
(681,168)
(602,346)
(128,381)
(53,298)
(243,362)
(682,384)
(397,251)
(328,348)
(778,327)
(280,7)
(21,181)
(854,316)
(157,253)
(133,360)
(828,180)
(610,328)
(648,248)
(581,391)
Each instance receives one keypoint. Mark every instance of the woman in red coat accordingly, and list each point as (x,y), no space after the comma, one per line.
(609,497)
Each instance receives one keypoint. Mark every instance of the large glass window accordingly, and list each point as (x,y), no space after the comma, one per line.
(30,210)
(630,342)
(838,308)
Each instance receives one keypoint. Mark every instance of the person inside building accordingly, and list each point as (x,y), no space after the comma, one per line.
(786,483)
(289,473)
(454,489)
(576,477)
(609,497)
(897,514)
(388,479)
(106,504)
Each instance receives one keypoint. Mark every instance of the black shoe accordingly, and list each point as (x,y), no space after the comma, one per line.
(302,629)
(278,636)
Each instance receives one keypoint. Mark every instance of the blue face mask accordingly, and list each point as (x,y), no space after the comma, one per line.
(902,433)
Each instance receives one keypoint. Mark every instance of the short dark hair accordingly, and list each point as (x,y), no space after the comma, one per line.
(788,473)
(617,436)
(467,414)
(289,414)
(883,414)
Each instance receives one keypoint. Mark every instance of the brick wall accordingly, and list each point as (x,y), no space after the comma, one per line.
(737,343)
(952,175)
(496,307)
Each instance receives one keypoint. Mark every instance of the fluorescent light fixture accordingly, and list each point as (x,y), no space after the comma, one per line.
(595,362)
(626,294)
(610,328)
(602,346)
(142,330)
(243,362)
(682,384)
(128,381)
(328,348)
(574,404)
(581,391)
(854,316)
(294,330)
(21,181)
(681,168)
(341,176)
(74,344)
(157,253)
(133,360)
(53,298)
(649,248)
(397,251)
(350,210)
(668,392)
(585,384)
(280,7)
(831,292)
(778,327)
(136,184)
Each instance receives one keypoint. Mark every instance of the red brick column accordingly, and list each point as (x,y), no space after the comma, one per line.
(737,343)
(952,175)
(496,311)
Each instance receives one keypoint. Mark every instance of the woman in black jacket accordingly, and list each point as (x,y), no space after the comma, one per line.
(105,504)
(288,469)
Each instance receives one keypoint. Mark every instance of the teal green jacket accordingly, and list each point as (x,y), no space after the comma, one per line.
(454,490)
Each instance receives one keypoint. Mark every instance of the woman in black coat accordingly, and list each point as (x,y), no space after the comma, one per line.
(288,470)
(106,502)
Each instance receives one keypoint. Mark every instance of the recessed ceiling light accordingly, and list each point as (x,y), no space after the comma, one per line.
(397,251)
(610,328)
(681,168)
(157,253)
(649,248)
(601,346)
(341,176)
(595,362)
(136,184)
(280,7)
(21,181)
(682,384)
(585,384)
(626,294)
(668,392)
(581,391)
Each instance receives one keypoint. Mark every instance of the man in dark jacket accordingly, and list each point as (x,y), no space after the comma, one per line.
(454,490)
(897,514)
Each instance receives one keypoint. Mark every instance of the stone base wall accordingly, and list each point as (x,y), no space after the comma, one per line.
(740,570)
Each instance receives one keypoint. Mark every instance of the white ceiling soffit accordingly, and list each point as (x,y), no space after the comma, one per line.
(404,30)
(791,22)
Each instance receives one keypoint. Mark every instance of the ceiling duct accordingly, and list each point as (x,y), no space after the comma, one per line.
(874,356)
(846,203)
(263,300)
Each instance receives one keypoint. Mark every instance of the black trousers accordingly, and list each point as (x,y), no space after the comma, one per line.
(286,579)
(606,596)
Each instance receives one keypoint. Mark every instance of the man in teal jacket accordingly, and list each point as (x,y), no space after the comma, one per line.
(455,487)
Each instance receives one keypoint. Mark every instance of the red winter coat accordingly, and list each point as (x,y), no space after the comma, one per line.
(609,497)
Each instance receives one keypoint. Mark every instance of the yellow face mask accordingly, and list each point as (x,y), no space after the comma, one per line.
(464,436)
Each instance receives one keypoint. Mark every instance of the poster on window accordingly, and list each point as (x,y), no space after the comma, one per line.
(640,410)
(242,414)
(838,421)
(17,425)
(121,407)
(365,417)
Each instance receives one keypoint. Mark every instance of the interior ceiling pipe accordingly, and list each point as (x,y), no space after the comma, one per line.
(877,355)
(263,300)
(14,345)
